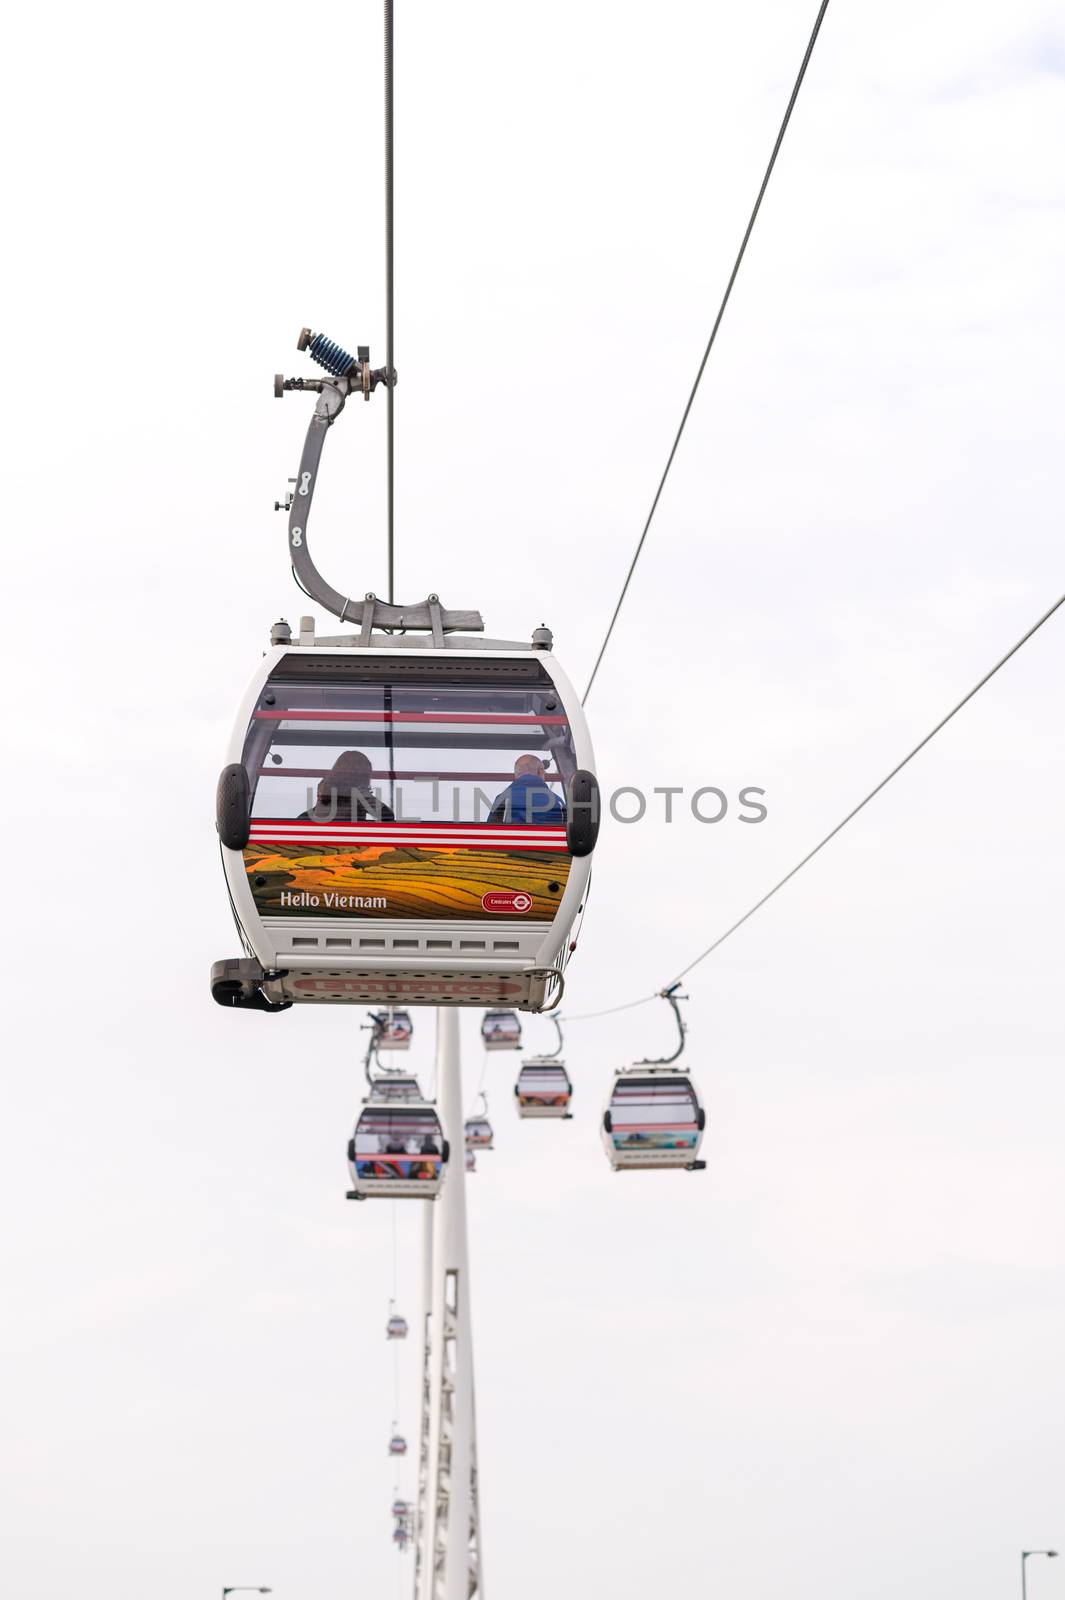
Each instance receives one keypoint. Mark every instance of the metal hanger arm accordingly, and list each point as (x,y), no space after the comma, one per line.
(672,997)
(331,401)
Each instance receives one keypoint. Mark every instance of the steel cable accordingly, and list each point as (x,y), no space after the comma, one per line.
(710,342)
(747,915)
(390,184)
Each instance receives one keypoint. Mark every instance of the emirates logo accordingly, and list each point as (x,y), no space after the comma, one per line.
(507,900)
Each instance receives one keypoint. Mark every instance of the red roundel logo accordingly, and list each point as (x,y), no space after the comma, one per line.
(506,900)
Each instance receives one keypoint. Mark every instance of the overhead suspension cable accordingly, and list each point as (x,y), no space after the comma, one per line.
(391,1313)
(390,293)
(588,1016)
(747,915)
(710,342)
(964,701)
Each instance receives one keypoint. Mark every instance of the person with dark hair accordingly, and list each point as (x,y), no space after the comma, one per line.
(346,794)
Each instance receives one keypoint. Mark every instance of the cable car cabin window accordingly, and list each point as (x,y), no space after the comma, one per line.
(439,751)
(429,791)
(398,1142)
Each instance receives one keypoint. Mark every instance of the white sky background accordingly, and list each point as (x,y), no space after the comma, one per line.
(831,1366)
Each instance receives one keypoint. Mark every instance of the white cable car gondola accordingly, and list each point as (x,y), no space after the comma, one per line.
(654,1117)
(478,1130)
(402,819)
(392,1030)
(395,1088)
(397,1150)
(403,1517)
(501,1030)
(543,1089)
(396,1327)
(397,1445)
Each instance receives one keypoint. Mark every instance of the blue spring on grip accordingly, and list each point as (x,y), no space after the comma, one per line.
(330,356)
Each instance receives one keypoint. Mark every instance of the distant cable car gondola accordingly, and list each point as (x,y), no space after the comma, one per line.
(403,1515)
(501,1030)
(408,811)
(543,1089)
(654,1117)
(478,1129)
(397,1445)
(471,1160)
(398,1150)
(392,1030)
(396,1327)
(395,1088)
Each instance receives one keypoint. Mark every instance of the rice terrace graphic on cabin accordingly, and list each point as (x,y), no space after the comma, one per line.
(474,873)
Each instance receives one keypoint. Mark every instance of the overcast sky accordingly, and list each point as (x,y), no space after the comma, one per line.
(831,1365)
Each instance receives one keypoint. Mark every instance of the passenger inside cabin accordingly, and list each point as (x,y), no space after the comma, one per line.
(528,799)
(346,793)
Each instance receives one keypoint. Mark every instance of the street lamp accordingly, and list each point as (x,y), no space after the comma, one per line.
(1024,1557)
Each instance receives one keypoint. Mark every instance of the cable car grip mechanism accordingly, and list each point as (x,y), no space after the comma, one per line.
(348,375)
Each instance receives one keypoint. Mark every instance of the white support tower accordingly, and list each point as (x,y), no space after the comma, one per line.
(448,1563)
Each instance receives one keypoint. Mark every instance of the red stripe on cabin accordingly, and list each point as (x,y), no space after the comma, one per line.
(654,1127)
(508,718)
(402,777)
(406,844)
(388,830)
(385,834)
(508,831)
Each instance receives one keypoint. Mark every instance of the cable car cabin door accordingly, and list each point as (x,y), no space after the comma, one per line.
(406,828)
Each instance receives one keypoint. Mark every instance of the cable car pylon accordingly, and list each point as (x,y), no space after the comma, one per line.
(449,1563)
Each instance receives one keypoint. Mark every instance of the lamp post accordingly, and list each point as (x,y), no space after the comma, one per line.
(1024,1576)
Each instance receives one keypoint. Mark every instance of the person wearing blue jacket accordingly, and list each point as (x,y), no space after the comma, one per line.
(528,799)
